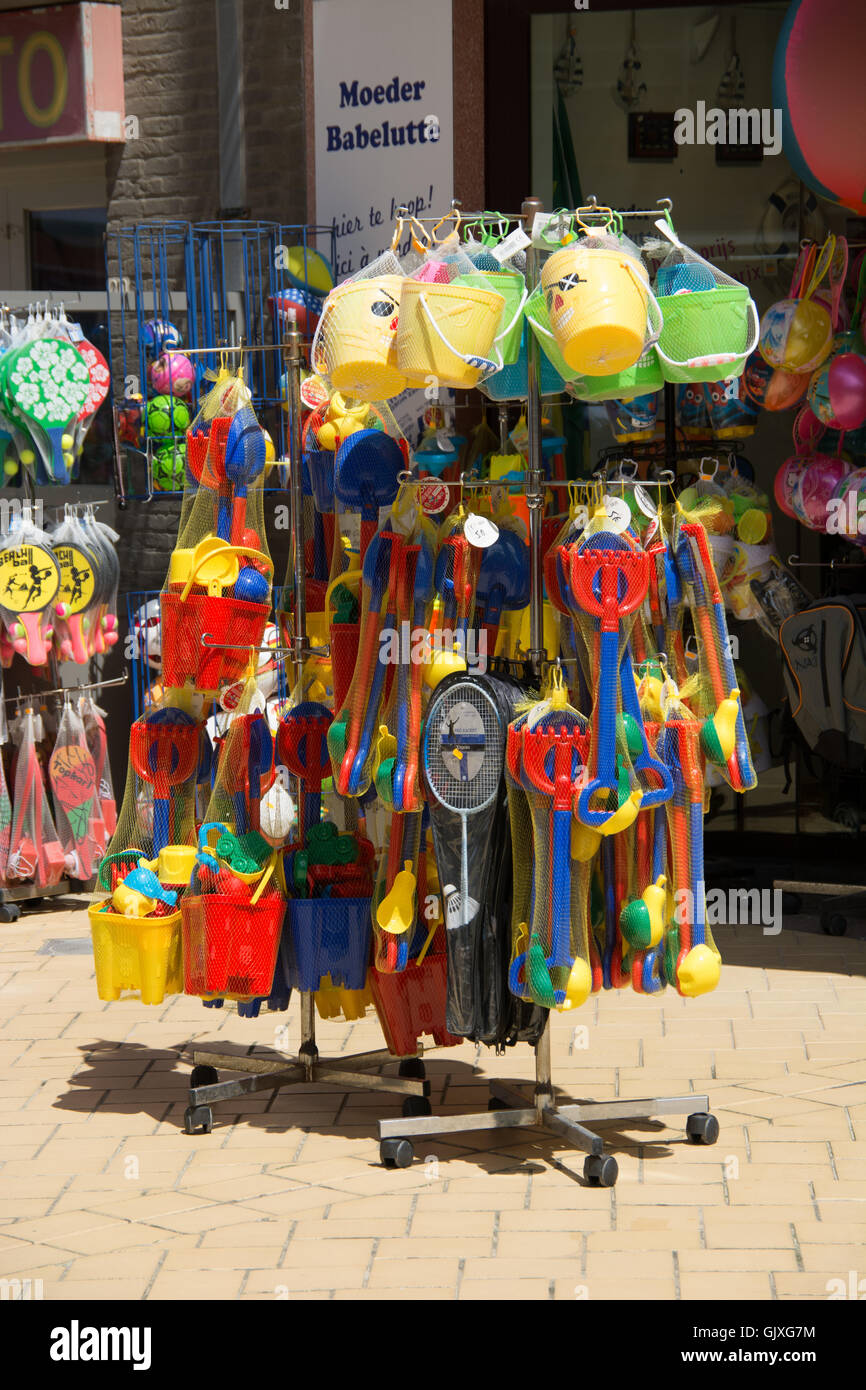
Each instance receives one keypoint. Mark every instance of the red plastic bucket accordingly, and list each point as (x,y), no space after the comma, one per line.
(230,947)
(229,622)
(412,1003)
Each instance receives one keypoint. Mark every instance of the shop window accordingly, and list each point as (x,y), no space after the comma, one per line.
(66,249)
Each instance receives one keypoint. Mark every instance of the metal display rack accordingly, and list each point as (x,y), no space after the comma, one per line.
(509,1107)
(220,284)
(263,1074)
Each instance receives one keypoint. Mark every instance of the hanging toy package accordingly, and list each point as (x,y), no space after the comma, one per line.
(80,589)
(97,742)
(35,852)
(29,588)
(75,791)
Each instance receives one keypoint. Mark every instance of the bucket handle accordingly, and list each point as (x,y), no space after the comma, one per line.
(722,358)
(229,549)
(505,332)
(653,303)
(485,365)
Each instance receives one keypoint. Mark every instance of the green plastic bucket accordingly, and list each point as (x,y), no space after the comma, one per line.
(512,286)
(708,334)
(640,380)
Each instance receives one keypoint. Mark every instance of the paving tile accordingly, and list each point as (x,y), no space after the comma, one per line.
(713,1286)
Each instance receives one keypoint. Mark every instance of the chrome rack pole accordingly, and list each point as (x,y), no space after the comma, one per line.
(308,1051)
(534,481)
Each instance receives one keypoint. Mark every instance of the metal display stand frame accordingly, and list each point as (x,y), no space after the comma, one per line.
(265,1073)
(510,1107)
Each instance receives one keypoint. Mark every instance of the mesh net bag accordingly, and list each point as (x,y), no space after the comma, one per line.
(602,313)
(710,320)
(234,910)
(355,345)
(450,318)
(216,599)
(691,960)
(724,738)
(397,584)
(75,791)
(158,808)
(35,852)
(97,742)
(5,821)
(545,759)
(396,903)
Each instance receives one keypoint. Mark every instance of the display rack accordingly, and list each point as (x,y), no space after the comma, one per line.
(358,1072)
(509,1107)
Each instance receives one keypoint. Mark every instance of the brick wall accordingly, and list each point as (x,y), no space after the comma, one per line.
(170,67)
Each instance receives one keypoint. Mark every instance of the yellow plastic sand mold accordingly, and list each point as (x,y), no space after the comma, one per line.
(396,911)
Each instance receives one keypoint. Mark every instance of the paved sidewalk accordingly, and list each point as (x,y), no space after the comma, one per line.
(103,1195)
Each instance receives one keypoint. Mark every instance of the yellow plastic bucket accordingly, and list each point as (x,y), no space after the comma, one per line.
(144,954)
(447,331)
(597,301)
(355,339)
(175,863)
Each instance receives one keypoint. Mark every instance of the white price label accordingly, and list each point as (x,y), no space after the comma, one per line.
(480,531)
(510,245)
(644,501)
(618,513)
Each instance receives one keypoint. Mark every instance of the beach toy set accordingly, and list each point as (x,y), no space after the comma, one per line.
(58,589)
(52,383)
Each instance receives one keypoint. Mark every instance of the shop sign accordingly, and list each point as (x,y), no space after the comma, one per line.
(61,74)
(383,119)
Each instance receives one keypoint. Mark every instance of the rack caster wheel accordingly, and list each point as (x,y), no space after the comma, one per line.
(702,1129)
(600,1170)
(9,912)
(414,1106)
(396,1153)
(198,1119)
(833,924)
(412,1067)
(495,1103)
(203,1076)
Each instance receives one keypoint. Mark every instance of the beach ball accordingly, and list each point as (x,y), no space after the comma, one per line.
(796,335)
(296,306)
(818,86)
(167,416)
(159,334)
(276,814)
(808,429)
(785,484)
(770,388)
(169,467)
(815,487)
(174,375)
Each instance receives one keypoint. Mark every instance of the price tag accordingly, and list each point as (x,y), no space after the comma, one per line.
(314,392)
(645,502)
(480,531)
(514,242)
(433,498)
(618,513)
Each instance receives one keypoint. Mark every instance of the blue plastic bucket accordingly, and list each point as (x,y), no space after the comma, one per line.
(511,383)
(327,936)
